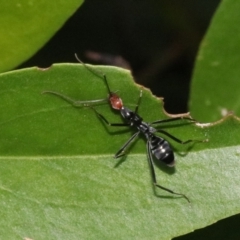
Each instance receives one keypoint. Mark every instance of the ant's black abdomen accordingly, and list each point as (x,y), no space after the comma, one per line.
(162,151)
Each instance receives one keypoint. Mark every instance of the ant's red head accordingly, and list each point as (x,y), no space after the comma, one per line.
(115,101)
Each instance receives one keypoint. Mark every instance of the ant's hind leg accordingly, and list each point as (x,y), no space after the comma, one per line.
(180,141)
(150,161)
(191,120)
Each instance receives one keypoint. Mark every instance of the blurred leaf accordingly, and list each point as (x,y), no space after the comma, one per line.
(216,81)
(27,25)
(215,92)
(58,177)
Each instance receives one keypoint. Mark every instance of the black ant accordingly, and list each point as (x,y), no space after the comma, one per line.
(156,146)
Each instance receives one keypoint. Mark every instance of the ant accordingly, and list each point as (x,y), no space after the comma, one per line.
(156,146)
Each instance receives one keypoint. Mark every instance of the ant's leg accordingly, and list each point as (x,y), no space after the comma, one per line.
(76,103)
(133,137)
(138,102)
(178,140)
(174,119)
(121,151)
(150,161)
(96,72)
(107,122)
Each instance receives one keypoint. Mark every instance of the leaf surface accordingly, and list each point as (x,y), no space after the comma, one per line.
(59,179)
(216,84)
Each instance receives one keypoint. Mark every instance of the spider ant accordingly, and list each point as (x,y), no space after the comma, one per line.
(156,146)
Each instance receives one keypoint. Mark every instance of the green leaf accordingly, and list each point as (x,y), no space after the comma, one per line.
(215,86)
(27,25)
(60,181)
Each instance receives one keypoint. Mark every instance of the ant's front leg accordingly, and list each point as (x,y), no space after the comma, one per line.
(107,122)
(138,102)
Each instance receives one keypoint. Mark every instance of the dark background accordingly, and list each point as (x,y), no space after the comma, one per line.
(157,40)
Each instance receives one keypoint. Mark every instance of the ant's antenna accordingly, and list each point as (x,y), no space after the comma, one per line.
(98,73)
